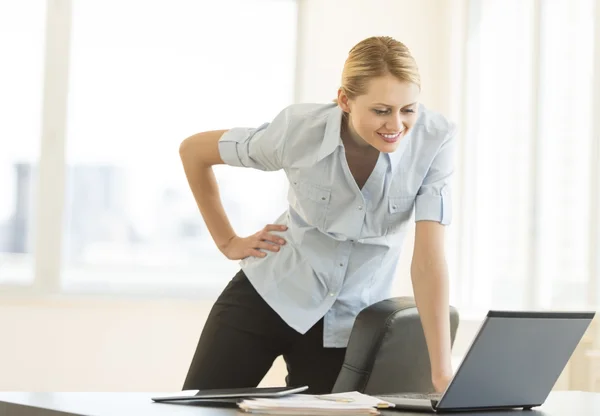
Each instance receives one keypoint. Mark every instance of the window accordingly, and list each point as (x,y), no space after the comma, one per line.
(528,137)
(189,66)
(21,75)
(498,131)
(565,145)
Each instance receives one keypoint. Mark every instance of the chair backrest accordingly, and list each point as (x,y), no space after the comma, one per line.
(387,351)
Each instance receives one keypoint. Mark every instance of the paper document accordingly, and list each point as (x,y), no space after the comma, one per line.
(350,403)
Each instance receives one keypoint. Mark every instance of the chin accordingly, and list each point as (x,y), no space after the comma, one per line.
(385,147)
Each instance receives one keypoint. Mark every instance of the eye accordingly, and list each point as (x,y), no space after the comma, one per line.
(408,110)
(380,112)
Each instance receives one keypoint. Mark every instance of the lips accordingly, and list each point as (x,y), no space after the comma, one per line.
(391,137)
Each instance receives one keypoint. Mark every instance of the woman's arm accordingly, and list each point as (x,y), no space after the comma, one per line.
(429,275)
(198,154)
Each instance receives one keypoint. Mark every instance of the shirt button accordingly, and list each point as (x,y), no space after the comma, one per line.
(360,207)
(341,264)
(332,294)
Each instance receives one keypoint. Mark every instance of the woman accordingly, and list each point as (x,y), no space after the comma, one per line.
(357,168)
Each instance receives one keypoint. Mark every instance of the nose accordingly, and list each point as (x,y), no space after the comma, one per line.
(394,123)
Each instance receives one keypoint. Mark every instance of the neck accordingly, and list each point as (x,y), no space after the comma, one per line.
(350,138)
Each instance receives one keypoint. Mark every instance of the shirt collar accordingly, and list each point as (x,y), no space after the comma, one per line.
(331,138)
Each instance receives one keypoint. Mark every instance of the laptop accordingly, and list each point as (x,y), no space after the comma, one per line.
(513,362)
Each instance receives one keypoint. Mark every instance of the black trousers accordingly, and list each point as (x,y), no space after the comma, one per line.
(243,336)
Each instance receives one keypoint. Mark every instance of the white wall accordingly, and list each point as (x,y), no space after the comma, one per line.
(332,27)
(96,344)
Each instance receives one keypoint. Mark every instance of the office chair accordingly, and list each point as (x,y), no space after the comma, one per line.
(387,352)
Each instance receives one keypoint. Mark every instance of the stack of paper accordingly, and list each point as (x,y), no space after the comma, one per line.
(351,403)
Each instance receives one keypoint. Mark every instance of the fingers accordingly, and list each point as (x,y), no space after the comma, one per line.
(270,237)
(275,227)
(266,241)
(257,253)
(266,246)
(265,235)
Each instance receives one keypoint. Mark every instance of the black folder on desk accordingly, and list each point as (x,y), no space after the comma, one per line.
(226,397)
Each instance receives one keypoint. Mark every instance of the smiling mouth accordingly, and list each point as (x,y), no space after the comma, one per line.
(391,138)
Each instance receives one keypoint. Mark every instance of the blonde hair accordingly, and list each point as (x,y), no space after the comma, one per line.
(374,57)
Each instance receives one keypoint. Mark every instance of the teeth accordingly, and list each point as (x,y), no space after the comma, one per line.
(390,136)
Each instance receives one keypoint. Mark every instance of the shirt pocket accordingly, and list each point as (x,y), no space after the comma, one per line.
(399,212)
(311,203)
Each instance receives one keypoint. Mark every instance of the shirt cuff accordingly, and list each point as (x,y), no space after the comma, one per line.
(228,145)
(434,207)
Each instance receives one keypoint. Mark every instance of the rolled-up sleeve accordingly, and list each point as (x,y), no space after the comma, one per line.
(434,198)
(260,147)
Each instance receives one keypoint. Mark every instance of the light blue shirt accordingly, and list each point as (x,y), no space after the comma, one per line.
(342,243)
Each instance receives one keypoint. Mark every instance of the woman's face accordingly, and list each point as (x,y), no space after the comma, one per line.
(384,115)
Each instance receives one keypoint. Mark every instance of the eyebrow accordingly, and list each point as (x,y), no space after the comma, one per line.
(387,105)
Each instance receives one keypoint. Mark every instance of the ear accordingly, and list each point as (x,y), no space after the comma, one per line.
(343,101)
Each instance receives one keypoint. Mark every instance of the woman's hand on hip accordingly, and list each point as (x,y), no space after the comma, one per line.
(238,248)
